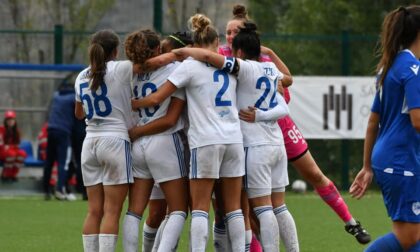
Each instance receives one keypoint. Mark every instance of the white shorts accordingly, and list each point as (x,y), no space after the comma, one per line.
(265,170)
(218,160)
(160,157)
(106,160)
(157,193)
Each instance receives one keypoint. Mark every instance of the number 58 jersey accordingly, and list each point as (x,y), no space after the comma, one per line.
(108,109)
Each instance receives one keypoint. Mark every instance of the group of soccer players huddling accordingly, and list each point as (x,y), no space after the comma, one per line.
(184,121)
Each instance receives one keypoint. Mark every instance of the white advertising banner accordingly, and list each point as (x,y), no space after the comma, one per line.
(332,107)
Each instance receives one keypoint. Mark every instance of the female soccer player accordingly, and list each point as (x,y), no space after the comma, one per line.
(103,95)
(158,128)
(266,171)
(155,222)
(298,154)
(10,153)
(392,143)
(214,136)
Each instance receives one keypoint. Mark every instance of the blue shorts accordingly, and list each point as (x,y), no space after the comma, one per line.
(401,195)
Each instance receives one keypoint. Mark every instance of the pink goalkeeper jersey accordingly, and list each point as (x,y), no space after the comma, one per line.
(227,51)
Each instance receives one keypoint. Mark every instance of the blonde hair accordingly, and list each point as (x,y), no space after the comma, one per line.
(203,33)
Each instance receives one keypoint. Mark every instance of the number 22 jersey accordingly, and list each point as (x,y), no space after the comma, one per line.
(108,109)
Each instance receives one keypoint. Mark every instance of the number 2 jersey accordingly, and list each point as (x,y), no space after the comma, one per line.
(211,97)
(397,146)
(257,87)
(108,109)
(144,84)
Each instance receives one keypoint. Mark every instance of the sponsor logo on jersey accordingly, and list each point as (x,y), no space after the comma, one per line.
(224,112)
(415,69)
(416,208)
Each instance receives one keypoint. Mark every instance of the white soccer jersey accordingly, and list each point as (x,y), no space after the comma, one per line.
(257,87)
(211,97)
(108,109)
(144,84)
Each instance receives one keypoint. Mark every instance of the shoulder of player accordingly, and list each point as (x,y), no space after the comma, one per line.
(406,65)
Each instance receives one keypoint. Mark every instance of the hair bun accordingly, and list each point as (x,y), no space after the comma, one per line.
(249,27)
(199,22)
(239,11)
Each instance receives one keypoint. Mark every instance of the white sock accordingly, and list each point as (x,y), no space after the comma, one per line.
(269,229)
(248,240)
(90,243)
(351,222)
(236,230)
(107,242)
(149,235)
(287,227)
(131,232)
(220,237)
(158,237)
(172,231)
(199,230)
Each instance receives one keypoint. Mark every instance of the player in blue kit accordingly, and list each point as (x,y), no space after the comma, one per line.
(392,145)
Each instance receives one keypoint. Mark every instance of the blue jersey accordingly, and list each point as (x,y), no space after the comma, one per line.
(397,147)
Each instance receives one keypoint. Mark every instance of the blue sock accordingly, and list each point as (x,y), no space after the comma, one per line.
(386,243)
(415,248)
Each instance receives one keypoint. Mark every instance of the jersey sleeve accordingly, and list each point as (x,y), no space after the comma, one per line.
(124,71)
(180,77)
(245,70)
(77,90)
(180,94)
(279,111)
(412,90)
(376,106)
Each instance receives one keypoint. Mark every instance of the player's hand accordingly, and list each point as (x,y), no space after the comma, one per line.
(134,105)
(361,182)
(280,87)
(247,115)
(134,133)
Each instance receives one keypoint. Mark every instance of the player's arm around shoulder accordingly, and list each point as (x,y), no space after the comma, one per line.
(155,98)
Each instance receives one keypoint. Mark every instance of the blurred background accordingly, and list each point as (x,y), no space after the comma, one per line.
(313,37)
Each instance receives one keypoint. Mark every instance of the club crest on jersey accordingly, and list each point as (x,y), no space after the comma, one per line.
(416,208)
(224,113)
(415,69)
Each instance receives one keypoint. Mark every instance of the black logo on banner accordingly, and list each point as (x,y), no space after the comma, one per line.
(339,103)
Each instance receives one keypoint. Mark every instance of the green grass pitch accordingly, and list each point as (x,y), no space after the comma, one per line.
(32,224)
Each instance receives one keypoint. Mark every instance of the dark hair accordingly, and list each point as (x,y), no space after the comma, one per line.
(248,41)
(140,45)
(179,39)
(102,46)
(12,135)
(203,32)
(399,31)
(239,12)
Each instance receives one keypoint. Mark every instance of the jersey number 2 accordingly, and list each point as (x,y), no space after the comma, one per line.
(94,107)
(218,99)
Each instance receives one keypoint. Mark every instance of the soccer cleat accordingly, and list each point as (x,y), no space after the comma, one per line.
(362,236)
(71,197)
(60,195)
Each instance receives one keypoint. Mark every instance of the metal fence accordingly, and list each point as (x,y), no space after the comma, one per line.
(305,54)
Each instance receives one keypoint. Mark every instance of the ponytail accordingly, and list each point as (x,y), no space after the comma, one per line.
(103,45)
(399,31)
(97,65)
